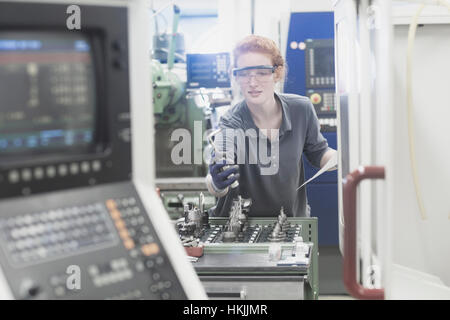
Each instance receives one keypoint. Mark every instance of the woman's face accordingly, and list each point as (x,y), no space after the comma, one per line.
(255,91)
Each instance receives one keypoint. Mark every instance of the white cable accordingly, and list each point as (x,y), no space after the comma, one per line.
(411,138)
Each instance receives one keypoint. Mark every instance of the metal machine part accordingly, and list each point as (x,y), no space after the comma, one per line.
(176,192)
(278,233)
(223,151)
(237,260)
(195,220)
(174,113)
(169,47)
(237,222)
(161,44)
(196,225)
(240,269)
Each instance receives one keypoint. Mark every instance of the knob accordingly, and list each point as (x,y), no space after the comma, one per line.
(29,289)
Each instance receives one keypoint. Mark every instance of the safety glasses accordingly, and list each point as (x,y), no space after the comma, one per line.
(260,73)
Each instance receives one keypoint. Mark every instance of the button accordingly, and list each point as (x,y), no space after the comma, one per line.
(159,260)
(165,296)
(51,172)
(13,176)
(156,276)
(111,204)
(141,220)
(26,174)
(140,266)
(150,249)
(93,270)
(117,64)
(115,45)
(149,264)
(120,224)
(96,165)
(127,212)
(124,202)
(129,244)
(85,167)
(38,173)
(145,229)
(124,234)
(134,253)
(316,98)
(115,214)
(74,168)
(132,232)
(154,288)
(59,291)
(62,170)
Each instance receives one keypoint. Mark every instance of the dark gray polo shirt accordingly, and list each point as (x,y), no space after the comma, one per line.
(299,134)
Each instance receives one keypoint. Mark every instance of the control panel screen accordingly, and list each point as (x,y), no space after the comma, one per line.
(208,70)
(48,101)
(319,63)
(323,62)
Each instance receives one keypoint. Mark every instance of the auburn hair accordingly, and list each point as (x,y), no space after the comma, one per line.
(260,44)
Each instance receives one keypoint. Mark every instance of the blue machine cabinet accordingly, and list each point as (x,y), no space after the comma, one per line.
(322,192)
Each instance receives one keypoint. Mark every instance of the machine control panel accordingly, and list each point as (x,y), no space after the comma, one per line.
(72,223)
(320,80)
(101,247)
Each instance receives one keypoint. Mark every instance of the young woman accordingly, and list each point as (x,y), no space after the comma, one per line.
(290,122)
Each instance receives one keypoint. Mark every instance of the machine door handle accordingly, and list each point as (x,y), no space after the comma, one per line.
(350,185)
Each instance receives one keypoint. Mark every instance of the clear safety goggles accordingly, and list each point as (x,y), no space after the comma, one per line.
(260,73)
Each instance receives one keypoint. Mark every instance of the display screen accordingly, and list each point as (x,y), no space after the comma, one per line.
(208,70)
(324,62)
(47,93)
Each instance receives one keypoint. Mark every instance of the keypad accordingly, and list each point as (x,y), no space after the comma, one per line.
(114,271)
(39,236)
(141,244)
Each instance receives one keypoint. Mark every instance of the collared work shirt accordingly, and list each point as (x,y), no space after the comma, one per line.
(299,134)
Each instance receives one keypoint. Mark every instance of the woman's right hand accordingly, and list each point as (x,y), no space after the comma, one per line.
(223,174)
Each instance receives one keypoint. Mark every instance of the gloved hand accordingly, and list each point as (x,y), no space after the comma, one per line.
(222,179)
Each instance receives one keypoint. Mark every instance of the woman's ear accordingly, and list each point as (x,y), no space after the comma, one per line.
(279,73)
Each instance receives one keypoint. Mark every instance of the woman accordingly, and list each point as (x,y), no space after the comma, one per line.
(291,126)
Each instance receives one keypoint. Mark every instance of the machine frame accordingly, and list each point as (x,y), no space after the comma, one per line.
(372,50)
